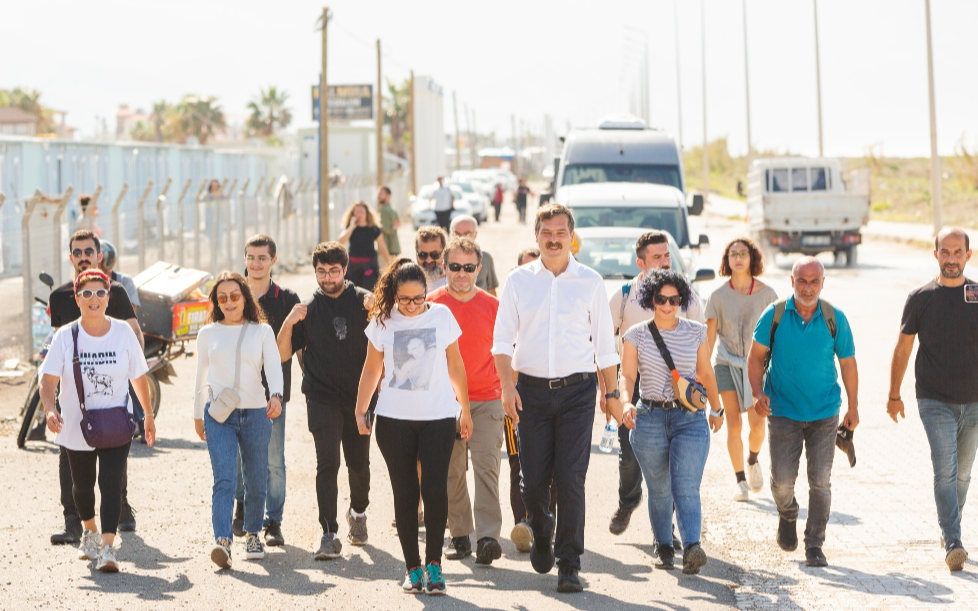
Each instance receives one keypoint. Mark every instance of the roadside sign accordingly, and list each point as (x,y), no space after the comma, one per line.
(346,102)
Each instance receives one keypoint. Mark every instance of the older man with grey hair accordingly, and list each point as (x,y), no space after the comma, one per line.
(801,398)
(465,226)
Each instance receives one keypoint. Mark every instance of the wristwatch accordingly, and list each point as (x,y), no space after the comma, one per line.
(277,395)
(716,414)
(613,395)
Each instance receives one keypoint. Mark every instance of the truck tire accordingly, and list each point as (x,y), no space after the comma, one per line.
(852,259)
(840,255)
(763,240)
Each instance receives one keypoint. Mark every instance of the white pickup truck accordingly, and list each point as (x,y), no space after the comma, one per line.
(798,204)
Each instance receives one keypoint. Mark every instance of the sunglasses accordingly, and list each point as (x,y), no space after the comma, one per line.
(673,300)
(435,255)
(87,294)
(235,298)
(405,300)
(457,267)
(78,252)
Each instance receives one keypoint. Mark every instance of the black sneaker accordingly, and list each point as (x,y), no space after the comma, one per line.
(237,523)
(815,558)
(127,517)
(542,552)
(666,557)
(487,550)
(694,558)
(71,534)
(956,556)
(787,534)
(619,521)
(273,534)
(459,548)
(568,581)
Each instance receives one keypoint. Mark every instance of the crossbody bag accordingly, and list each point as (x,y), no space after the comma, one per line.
(109,427)
(228,399)
(689,391)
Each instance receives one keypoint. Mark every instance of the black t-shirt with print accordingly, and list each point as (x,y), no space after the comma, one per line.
(947,328)
(276,303)
(363,241)
(64,310)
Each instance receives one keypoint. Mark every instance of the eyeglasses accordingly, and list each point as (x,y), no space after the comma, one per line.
(88,252)
(405,300)
(235,298)
(740,254)
(335,272)
(457,267)
(261,259)
(673,300)
(435,255)
(87,294)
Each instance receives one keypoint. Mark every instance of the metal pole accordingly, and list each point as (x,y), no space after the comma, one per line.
(141,221)
(706,154)
(229,243)
(818,80)
(324,141)
(198,202)
(29,206)
(242,215)
(750,149)
(679,89)
(380,124)
(935,159)
(180,223)
(161,221)
(58,215)
(414,143)
(458,137)
(116,230)
(257,197)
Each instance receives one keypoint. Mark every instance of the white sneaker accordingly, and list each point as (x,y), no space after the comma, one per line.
(221,554)
(754,477)
(90,543)
(743,492)
(254,548)
(106,561)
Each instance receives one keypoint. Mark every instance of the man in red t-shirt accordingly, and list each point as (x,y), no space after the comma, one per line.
(475,311)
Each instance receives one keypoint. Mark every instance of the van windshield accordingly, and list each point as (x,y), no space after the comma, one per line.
(669,220)
(581,173)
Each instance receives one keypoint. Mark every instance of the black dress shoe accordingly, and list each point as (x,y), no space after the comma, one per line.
(486,550)
(273,534)
(621,519)
(542,552)
(787,534)
(815,557)
(459,548)
(71,534)
(127,518)
(237,523)
(568,581)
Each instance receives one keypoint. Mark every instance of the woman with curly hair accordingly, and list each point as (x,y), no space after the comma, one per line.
(366,240)
(416,415)
(670,441)
(731,314)
(230,410)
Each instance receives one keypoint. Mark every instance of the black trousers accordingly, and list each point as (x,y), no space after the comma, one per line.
(629,471)
(339,430)
(516,478)
(555,443)
(403,443)
(108,466)
(64,478)
(364,275)
(444,218)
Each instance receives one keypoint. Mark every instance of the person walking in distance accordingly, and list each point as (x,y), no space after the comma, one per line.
(275,302)
(523,193)
(443,202)
(414,346)
(329,329)
(109,354)
(366,240)
(85,252)
(465,226)
(943,316)
(390,222)
(231,412)
(552,327)
(731,314)
(801,338)
(527,255)
(475,311)
(497,199)
(429,246)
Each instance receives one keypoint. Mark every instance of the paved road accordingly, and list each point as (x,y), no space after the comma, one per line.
(882,540)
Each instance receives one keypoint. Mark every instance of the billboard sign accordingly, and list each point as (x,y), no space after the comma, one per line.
(346,102)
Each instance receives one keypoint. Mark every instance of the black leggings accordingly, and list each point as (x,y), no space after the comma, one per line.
(403,443)
(111,467)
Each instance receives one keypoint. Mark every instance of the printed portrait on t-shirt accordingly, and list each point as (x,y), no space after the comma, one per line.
(414,359)
(971,293)
(339,325)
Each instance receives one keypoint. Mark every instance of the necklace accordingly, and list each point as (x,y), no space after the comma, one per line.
(749,291)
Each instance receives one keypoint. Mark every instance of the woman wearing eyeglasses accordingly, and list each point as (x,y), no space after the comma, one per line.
(110,358)
(366,241)
(731,314)
(232,350)
(416,414)
(670,441)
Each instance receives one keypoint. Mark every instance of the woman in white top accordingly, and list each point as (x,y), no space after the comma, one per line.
(414,344)
(110,358)
(237,337)
(731,314)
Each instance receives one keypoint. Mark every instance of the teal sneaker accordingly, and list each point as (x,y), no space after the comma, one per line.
(434,582)
(414,581)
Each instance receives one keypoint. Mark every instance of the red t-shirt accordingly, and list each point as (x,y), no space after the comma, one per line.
(477,318)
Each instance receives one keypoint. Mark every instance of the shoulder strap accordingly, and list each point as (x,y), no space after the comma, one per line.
(237,356)
(828,313)
(779,307)
(625,290)
(76,366)
(661,345)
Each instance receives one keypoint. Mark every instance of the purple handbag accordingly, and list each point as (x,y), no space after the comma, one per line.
(110,427)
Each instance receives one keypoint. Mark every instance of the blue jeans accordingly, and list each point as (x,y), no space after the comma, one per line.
(671,447)
(246,431)
(952,431)
(275,489)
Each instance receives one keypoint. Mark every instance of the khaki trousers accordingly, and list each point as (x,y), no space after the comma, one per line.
(484,449)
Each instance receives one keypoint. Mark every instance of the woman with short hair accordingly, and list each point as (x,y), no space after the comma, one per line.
(366,241)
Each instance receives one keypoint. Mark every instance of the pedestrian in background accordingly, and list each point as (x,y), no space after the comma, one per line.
(522,194)
(366,240)
(443,202)
(390,222)
(943,315)
(497,199)
(232,350)
(527,255)
(731,314)
(465,226)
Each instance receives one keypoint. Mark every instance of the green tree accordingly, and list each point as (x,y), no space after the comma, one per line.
(29,100)
(397,108)
(268,112)
(200,117)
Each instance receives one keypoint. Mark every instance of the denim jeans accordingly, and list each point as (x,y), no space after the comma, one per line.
(246,431)
(671,446)
(786,438)
(952,432)
(275,488)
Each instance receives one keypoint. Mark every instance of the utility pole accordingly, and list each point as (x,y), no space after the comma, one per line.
(818,81)
(458,136)
(750,148)
(516,147)
(475,142)
(679,89)
(935,159)
(706,155)
(380,124)
(324,139)
(414,142)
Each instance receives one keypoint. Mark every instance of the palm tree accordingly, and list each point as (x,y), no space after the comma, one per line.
(268,112)
(160,110)
(199,117)
(397,106)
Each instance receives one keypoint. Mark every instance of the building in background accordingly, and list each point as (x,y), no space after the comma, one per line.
(17,122)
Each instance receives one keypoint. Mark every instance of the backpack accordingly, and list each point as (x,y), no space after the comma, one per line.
(828,313)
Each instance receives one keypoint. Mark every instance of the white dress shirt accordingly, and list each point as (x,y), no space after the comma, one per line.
(560,325)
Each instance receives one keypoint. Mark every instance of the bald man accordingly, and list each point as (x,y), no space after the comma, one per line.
(801,398)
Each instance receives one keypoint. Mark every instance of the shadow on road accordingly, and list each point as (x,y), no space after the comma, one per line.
(144,587)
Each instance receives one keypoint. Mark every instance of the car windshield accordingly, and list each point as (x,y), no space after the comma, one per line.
(669,220)
(614,257)
(578,174)
(464,186)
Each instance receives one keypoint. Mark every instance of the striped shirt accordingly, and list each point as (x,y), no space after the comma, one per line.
(683,343)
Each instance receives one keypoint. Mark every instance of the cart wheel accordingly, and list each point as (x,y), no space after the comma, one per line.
(154,393)
(852,260)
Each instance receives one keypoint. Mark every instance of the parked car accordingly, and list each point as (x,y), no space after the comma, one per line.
(478,203)
(422,211)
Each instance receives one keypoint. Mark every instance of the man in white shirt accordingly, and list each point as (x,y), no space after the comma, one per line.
(443,202)
(552,328)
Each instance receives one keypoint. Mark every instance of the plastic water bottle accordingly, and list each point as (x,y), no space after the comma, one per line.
(608,437)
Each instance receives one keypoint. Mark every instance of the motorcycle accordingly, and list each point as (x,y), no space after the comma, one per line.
(32,421)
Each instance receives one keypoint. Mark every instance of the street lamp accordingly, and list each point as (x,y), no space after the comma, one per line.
(935,160)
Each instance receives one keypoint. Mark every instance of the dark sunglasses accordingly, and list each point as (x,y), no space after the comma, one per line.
(457,267)
(87,294)
(435,255)
(235,297)
(88,252)
(405,300)
(673,300)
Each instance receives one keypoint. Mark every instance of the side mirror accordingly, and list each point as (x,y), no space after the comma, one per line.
(704,240)
(703,275)
(46,279)
(697,208)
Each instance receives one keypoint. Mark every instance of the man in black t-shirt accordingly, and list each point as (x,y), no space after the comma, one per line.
(329,329)
(944,315)
(84,252)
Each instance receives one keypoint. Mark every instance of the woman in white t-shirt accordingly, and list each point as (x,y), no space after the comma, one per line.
(110,357)
(414,344)
(237,336)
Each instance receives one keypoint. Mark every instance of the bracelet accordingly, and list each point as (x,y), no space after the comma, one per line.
(895,399)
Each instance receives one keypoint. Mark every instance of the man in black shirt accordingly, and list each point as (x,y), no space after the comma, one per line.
(84,252)
(329,329)
(944,315)
(276,302)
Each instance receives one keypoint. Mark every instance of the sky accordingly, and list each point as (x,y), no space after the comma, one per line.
(569,59)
